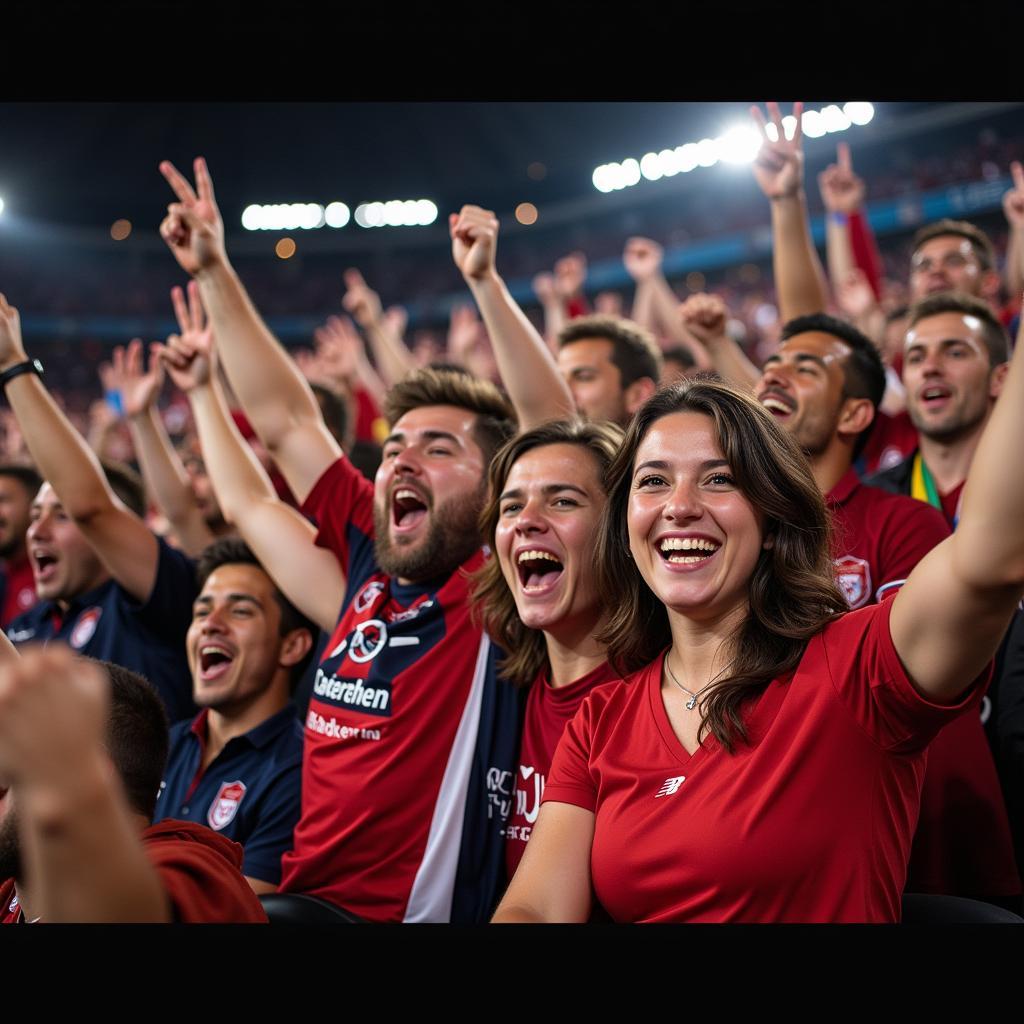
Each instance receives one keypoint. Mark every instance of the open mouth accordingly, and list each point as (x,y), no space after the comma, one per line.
(778,403)
(935,395)
(687,550)
(214,661)
(408,509)
(538,570)
(45,565)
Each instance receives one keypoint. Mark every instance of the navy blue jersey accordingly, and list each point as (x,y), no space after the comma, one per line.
(250,792)
(107,623)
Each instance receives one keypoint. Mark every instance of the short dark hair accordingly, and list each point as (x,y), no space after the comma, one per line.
(126,484)
(234,551)
(863,370)
(634,350)
(136,738)
(333,410)
(993,333)
(496,418)
(27,476)
(679,354)
(980,242)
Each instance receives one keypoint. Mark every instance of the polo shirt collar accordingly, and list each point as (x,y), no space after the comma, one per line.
(76,604)
(260,736)
(846,485)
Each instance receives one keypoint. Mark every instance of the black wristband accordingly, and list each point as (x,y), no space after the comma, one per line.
(29,366)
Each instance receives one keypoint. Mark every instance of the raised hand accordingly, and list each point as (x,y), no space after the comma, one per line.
(188,356)
(570,275)
(642,258)
(396,319)
(544,289)
(360,300)
(474,233)
(339,350)
(704,316)
(854,294)
(12,351)
(842,191)
(609,303)
(193,228)
(1013,201)
(465,330)
(138,390)
(779,166)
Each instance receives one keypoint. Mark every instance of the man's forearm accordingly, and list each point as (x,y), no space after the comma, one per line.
(60,453)
(528,371)
(838,248)
(167,480)
(799,278)
(271,388)
(394,360)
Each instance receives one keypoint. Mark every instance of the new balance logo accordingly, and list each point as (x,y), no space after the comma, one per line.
(670,786)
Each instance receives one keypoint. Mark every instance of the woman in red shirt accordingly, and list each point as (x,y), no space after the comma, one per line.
(766,764)
(539,595)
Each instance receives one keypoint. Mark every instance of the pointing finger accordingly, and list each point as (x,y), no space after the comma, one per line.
(843,153)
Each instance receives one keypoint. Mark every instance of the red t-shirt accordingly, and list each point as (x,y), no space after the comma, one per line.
(812,821)
(878,538)
(951,502)
(391,727)
(199,870)
(548,710)
(19,589)
(893,439)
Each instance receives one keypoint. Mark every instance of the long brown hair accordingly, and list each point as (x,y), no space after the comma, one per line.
(493,603)
(792,591)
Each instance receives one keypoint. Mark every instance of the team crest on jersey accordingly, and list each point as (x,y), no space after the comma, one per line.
(85,627)
(225,805)
(368,595)
(26,598)
(854,578)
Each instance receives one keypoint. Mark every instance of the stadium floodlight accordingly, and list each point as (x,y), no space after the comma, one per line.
(336,215)
(737,145)
(252,217)
(1,206)
(396,213)
(834,119)
(650,167)
(859,113)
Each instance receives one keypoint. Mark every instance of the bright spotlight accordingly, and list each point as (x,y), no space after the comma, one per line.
(687,157)
(1,206)
(630,171)
(669,162)
(336,215)
(859,113)
(601,179)
(252,217)
(707,152)
(834,119)
(650,167)
(789,126)
(427,211)
(739,145)
(813,124)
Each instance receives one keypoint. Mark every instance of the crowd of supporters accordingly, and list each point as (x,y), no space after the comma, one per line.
(674,605)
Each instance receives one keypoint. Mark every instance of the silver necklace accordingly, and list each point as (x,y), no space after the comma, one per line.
(692,702)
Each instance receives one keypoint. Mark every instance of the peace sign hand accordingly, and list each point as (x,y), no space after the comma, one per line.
(779,166)
(188,356)
(193,228)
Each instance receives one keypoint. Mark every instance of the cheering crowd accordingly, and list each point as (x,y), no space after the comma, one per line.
(615,620)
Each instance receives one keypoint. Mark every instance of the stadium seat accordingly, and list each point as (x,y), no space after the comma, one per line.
(295,908)
(921,908)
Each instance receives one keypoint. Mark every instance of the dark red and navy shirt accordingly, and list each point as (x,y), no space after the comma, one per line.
(250,792)
(411,741)
(107,623)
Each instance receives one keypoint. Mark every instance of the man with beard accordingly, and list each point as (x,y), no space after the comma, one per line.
(18,486)
(410,741)
(82,746)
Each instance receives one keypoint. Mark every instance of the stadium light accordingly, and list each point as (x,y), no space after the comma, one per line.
(396,213)
(737,145)
(1,206)
(336,215)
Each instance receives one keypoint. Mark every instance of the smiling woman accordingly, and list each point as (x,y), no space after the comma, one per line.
(538,596)
(765,764)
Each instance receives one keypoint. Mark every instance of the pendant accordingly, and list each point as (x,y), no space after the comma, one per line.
(691,703)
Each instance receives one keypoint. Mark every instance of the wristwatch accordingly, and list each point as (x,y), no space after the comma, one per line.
(28,366)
